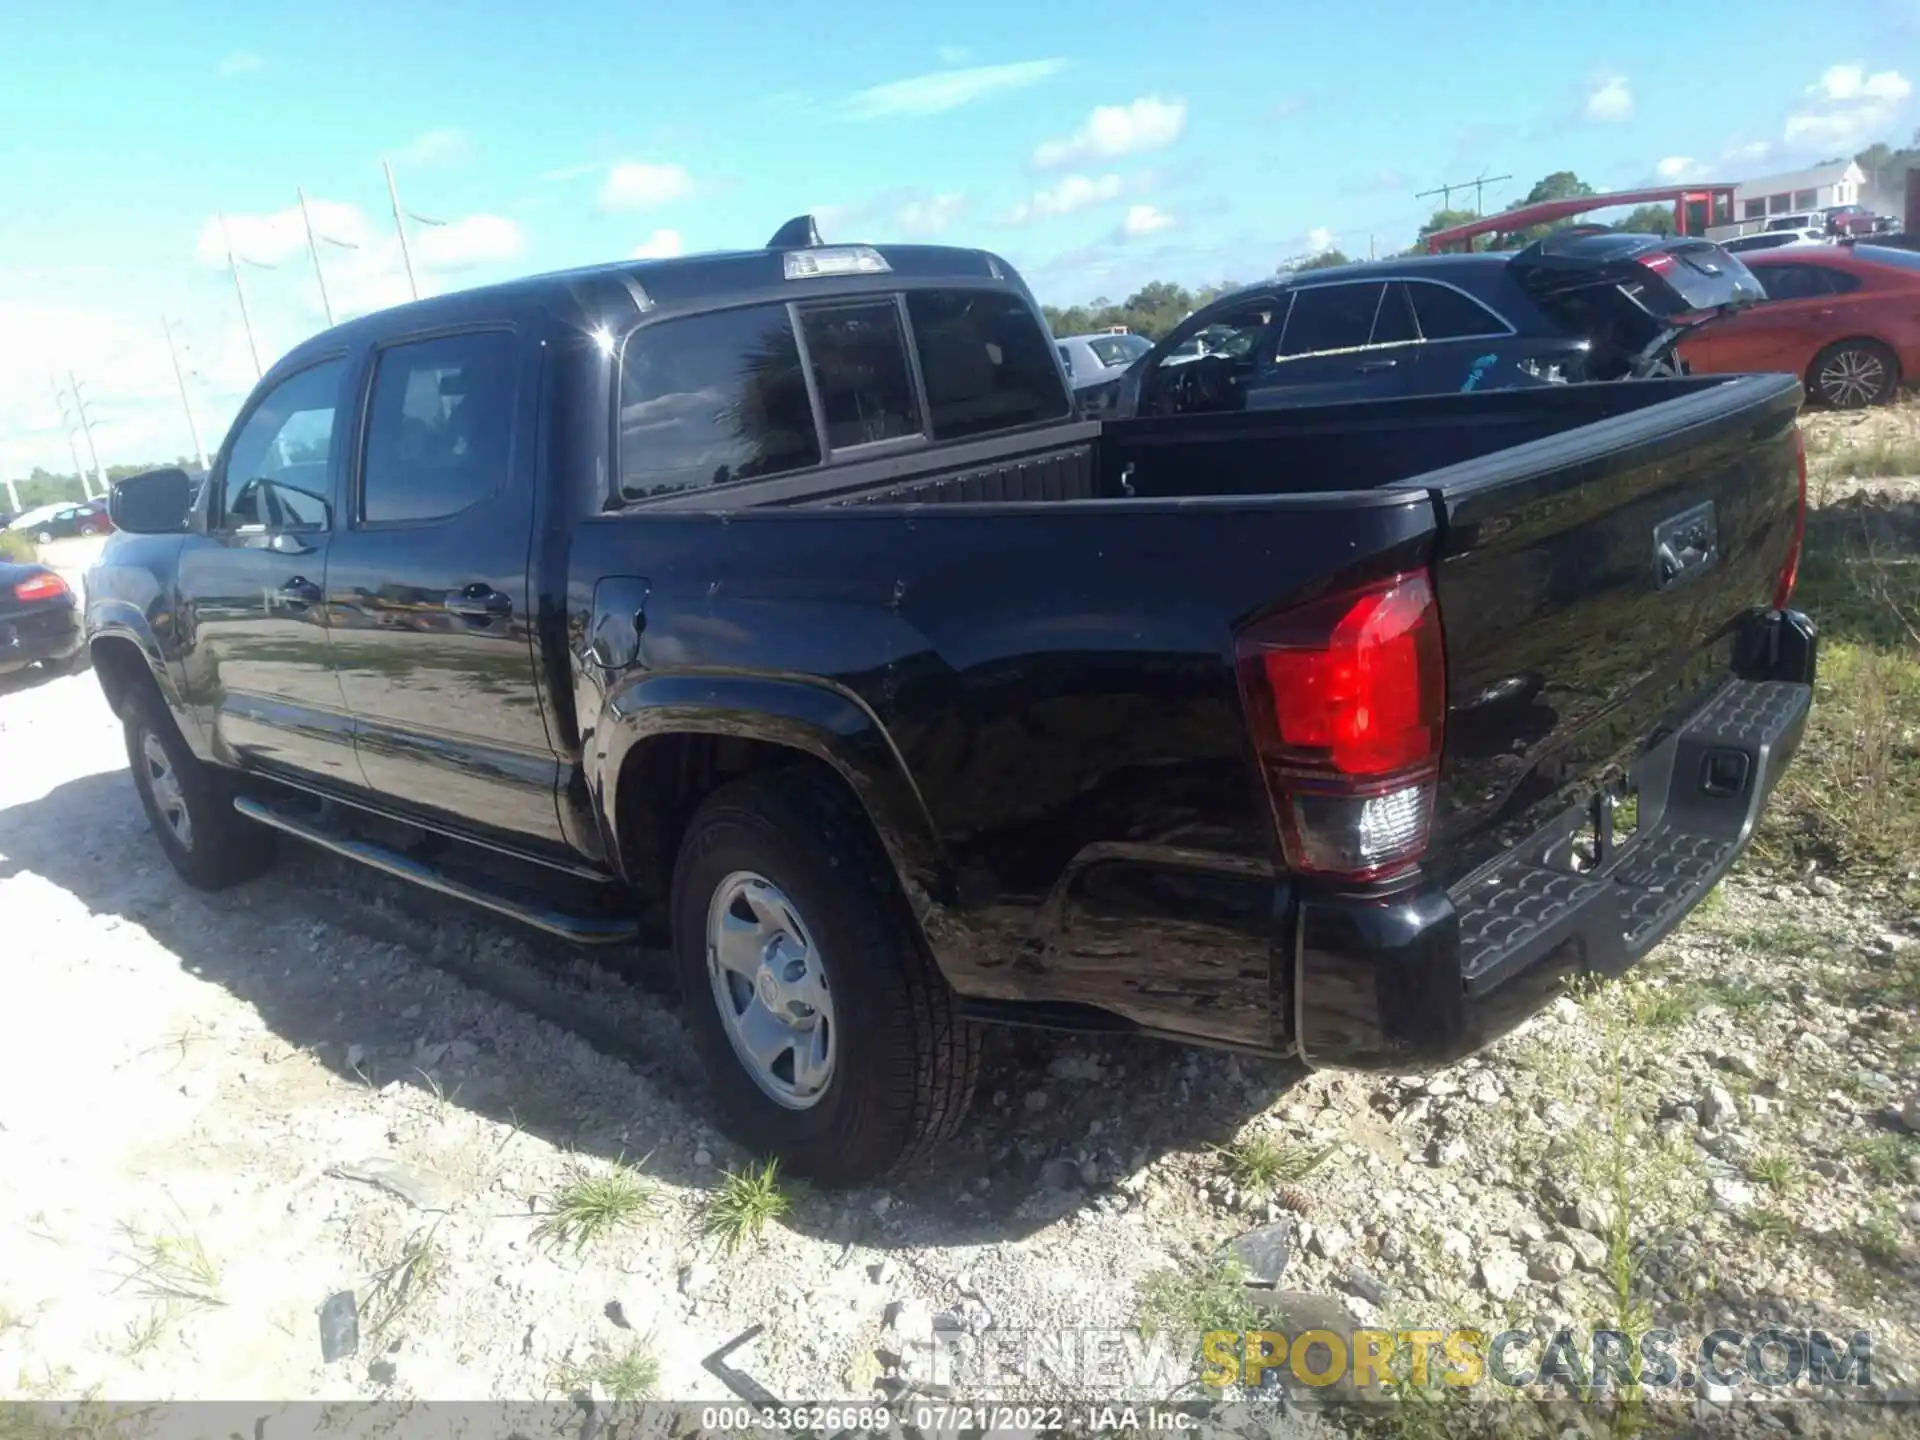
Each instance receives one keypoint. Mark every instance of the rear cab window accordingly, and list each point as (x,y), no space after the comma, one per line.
(741,394)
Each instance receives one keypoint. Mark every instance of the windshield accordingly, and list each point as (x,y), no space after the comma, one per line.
(1119,350)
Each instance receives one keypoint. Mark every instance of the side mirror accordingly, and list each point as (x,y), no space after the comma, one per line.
(156,503)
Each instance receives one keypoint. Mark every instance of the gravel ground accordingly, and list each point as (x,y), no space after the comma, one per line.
(185,1077)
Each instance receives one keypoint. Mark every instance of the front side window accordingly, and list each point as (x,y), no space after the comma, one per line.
(859,360)
(713,398)
(440,428)
(278,473)
(984,363)
(1331,317)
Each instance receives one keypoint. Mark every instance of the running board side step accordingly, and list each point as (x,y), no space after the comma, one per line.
(580,929)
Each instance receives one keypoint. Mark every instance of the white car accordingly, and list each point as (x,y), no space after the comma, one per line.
(1774,239)
(1091,359)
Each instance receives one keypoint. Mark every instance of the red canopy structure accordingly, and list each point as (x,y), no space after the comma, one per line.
(1695,207)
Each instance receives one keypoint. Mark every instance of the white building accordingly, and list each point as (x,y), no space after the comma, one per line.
(1756,201)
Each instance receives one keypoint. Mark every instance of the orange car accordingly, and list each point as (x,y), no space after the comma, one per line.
(1844,318)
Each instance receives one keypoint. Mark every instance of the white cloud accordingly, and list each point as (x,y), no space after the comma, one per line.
(1073,193)
(435,147)
(945,90)
(919,217)
(638,184)
(364,270)
(1610,99)
(241,62)
(1852,82)
(1750,153)
(127,379)
(1847,108)
(661,245)
(471,240)
(1319,240)
(1145,220)
(1149,123)
(1679,169)
(278,235)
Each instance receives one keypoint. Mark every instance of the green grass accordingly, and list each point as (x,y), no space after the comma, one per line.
(1776,1168)
(592,1204)
(1191,1300)
(624,1377)
(170,1265)
(1765,1220)
(17,547)
(1879,1241)
(1887,454)
(1851,800)
(396,1289)
(1885,1157)
(1257,1163)
(745,1204)
(1661,1007)
(1739,995)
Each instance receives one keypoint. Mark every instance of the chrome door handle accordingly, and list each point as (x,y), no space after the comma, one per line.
(478,602)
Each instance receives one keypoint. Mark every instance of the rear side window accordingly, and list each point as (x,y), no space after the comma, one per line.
(440,428)
(984,362)
(859,360)
(1393,322)
(1803,282)
(1446,314)
(1331,317)
(713,398)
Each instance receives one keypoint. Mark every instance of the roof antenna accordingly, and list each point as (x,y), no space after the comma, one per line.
(799,233)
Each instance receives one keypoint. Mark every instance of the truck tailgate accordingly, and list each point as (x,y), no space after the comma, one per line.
(1591,588)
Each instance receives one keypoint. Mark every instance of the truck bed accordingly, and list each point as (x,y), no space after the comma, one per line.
(1363,445)
(1042,665)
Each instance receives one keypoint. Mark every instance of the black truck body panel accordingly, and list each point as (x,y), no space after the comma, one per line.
(1018,654)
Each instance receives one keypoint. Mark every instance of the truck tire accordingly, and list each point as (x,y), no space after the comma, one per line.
(189,802)
(1854,374)
(831,1041)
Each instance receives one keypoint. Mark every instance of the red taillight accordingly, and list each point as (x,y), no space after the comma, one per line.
(1346,698)
(1790,571)
(1660,262)
(45,586)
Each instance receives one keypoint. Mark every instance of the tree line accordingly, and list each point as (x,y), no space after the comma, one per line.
(48,487)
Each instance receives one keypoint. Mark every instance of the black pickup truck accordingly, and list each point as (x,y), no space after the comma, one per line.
(773,606)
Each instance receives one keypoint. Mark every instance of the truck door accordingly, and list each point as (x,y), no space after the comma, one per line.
(433,638)
(257,670)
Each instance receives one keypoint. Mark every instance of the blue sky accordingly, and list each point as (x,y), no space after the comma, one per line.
(1096,145)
